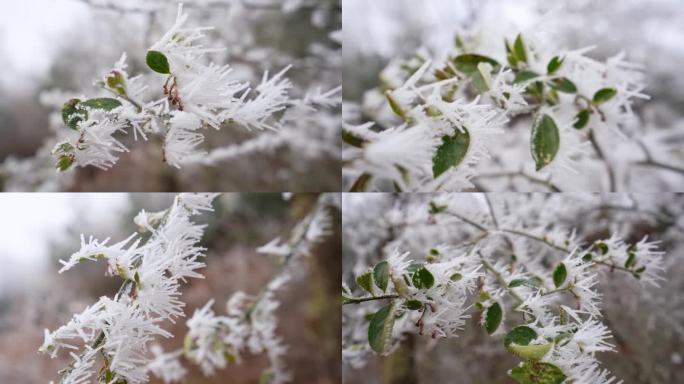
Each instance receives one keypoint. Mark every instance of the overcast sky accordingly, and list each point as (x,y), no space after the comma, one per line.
(28,29)
(29,221)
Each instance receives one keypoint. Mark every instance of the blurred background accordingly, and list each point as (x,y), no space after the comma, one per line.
(647,323)
(53,50)
(649,32)
(40,229)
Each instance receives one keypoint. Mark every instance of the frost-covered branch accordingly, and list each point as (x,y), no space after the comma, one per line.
(530,278)
(250,323)
(196,96)
(526,114)
(119,330)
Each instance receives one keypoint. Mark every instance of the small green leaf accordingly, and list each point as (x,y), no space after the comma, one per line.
(559,275)
(564,85)
(482,78)
(603,95)
(394,104)
(451,152)
(582,119)
(380,328)
(603,247)
(554,65)
(468,63)
(64,162)
(361,183)
(545,140)
(365,281)
(640,269)
(524,76)
(423,279)
(456,277)
(587,258)
(414,305)
(532,352)
(105,103)
(116,82)
(435,208)
(158,62)
(516,283)
(381,275)
(631,260)
(521,335)
(519,49)
(493,318)
(352,140)
(72,115)
(535,372)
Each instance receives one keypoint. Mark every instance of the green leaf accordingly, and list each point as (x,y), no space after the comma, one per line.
(434,208)
(468,63)
(521,335)
(158,62)
(380,328)
(564,85)
(116,82)
(361,183)
(64,162)
(603,95)
(603,247)
(365,281)
(535,372)
(72,115)
(519,49)
(394,104)
(516,283)
(582,119)
(553,65)
(559,275)
(451,152)
(456,277)
(381,275)
(532,352)
(106,103)
(631,260)
(493,318)
(524,76)
(545,140)
(481,79)
(423,279)
(352,140)
(414,305)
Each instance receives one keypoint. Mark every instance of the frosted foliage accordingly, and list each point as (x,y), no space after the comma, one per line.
(499,96)
(507,260)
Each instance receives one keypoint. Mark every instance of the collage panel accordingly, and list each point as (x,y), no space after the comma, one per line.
(523,96)
(169,288)
(512,288)
(170,96)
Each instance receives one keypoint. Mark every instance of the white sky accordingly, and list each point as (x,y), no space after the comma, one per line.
(28,29)
(28,221)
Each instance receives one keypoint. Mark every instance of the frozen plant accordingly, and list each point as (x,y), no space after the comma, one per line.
(119,334)
(118,330)
(510,260)
(518,111)
(196,95)
(250,322)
